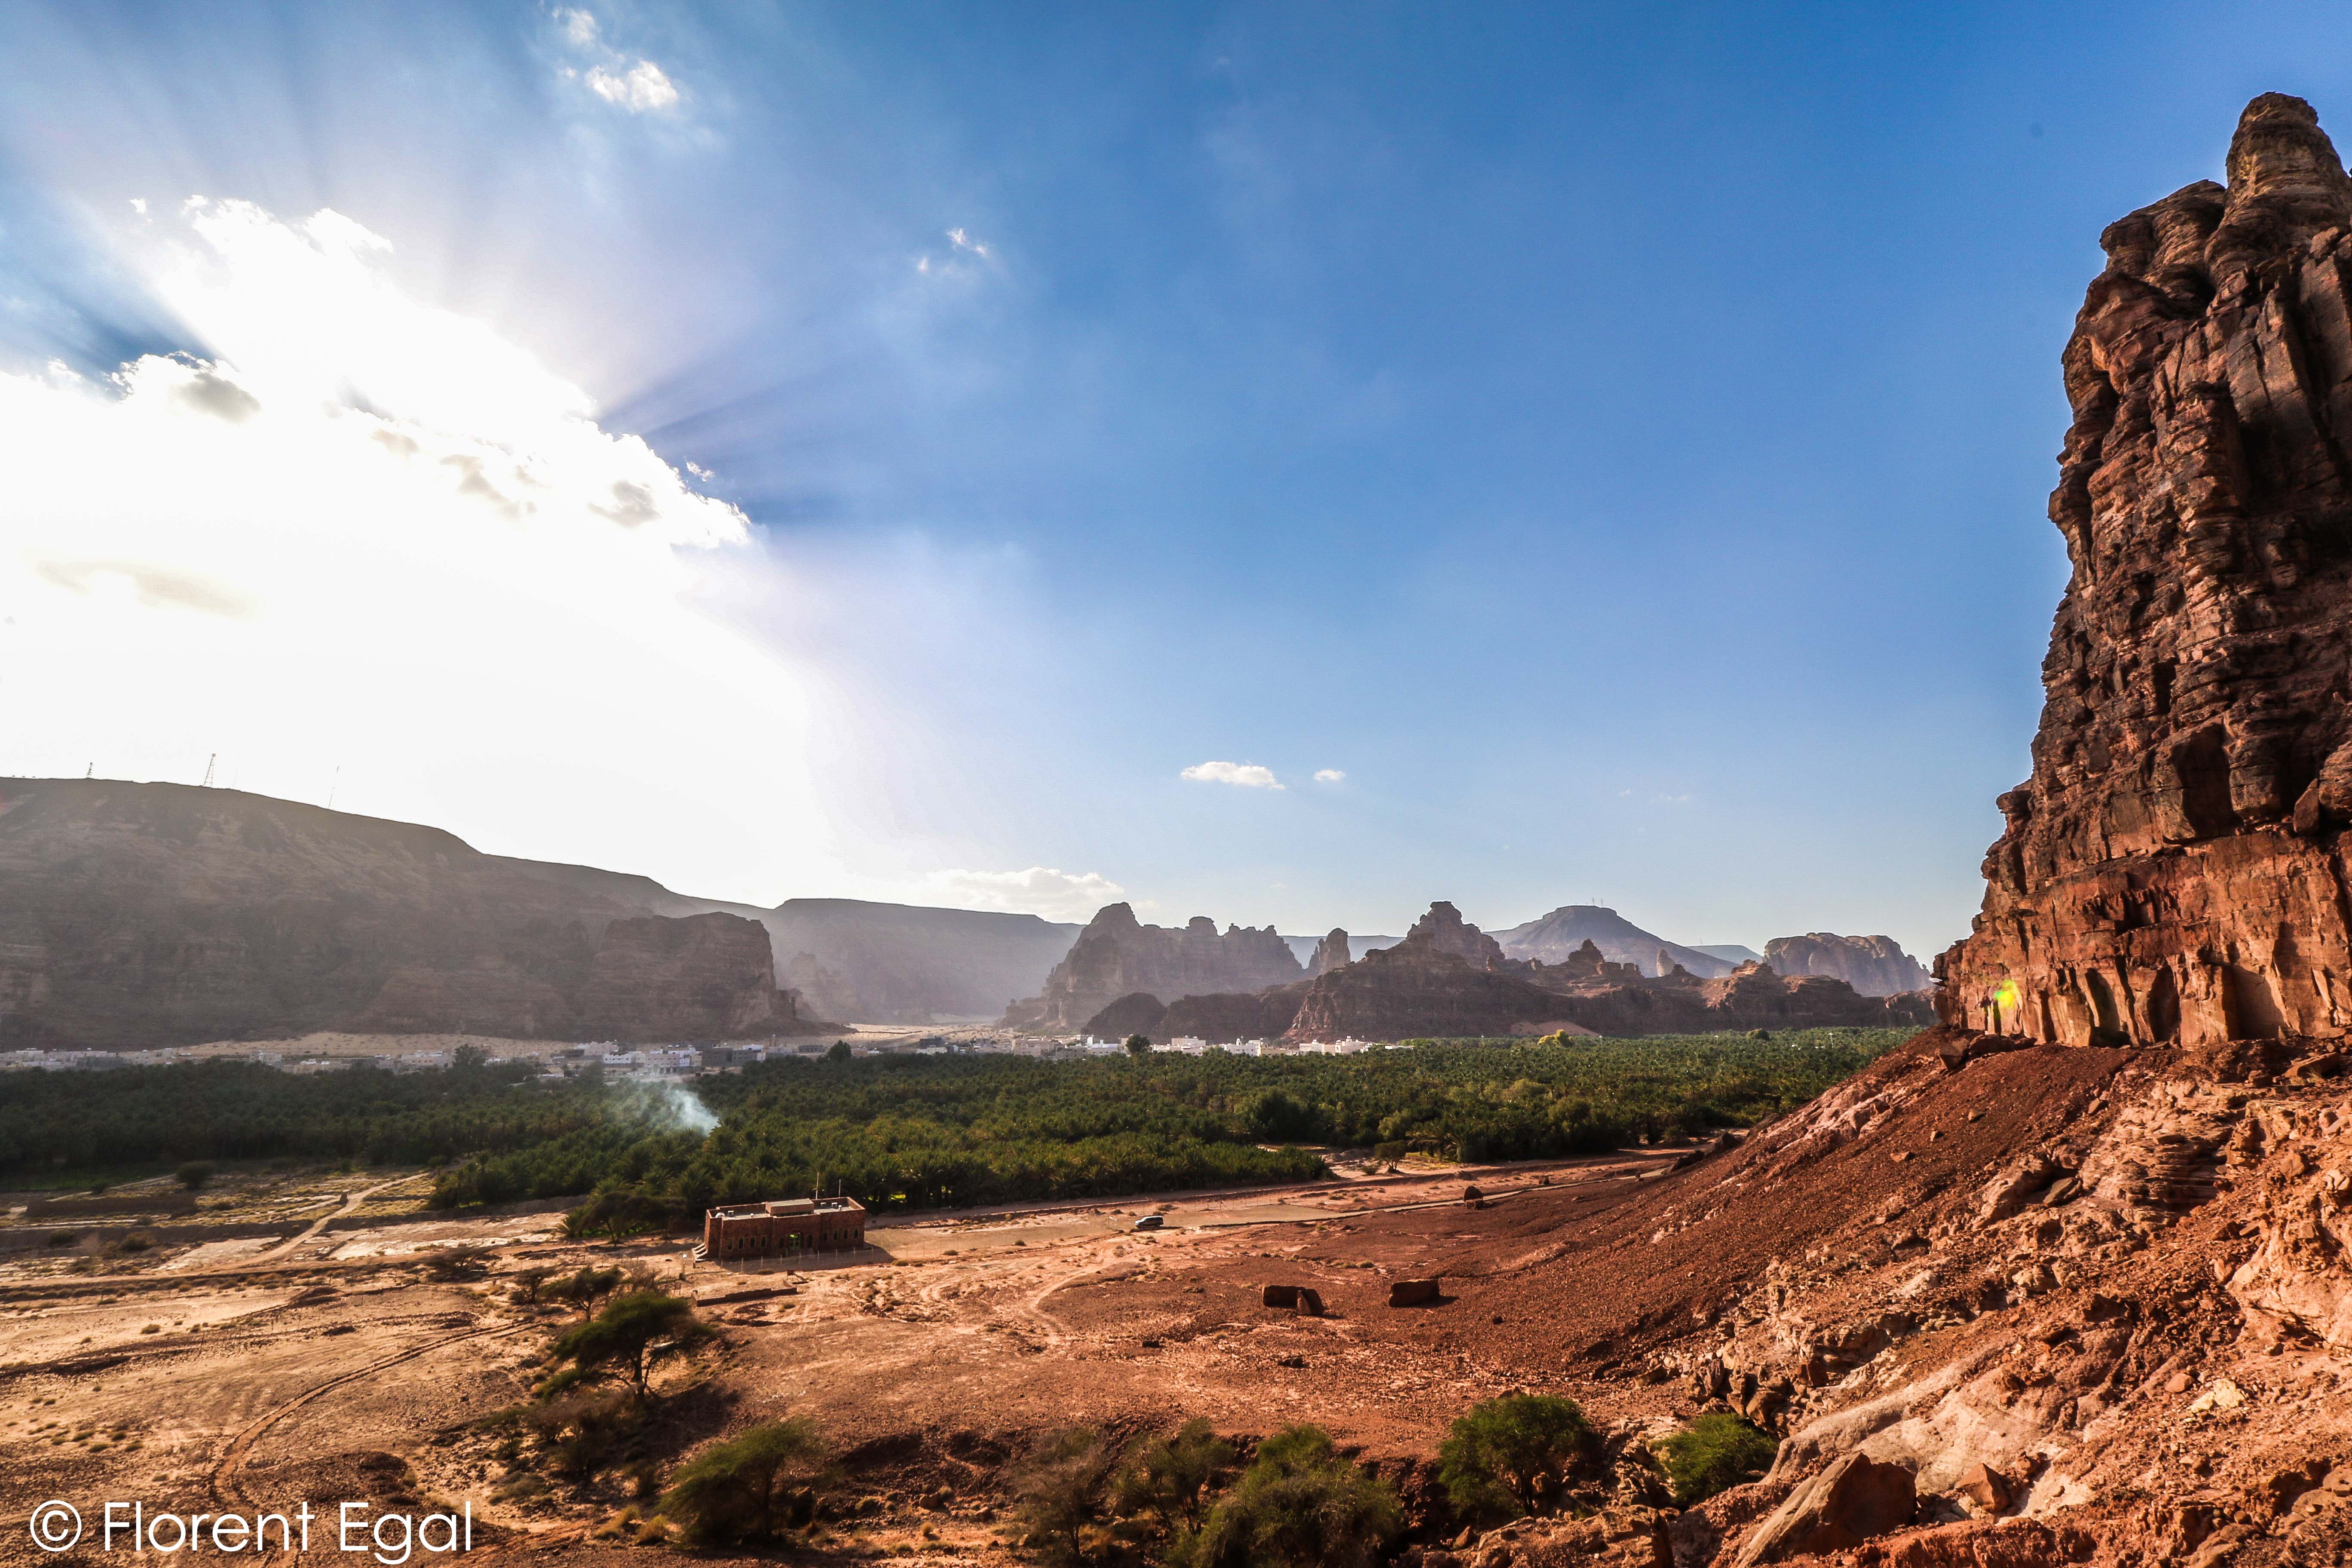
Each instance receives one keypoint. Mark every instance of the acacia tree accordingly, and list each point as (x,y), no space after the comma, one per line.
(585,1289)
(750,1488)
(630,1336)
(1505,1453)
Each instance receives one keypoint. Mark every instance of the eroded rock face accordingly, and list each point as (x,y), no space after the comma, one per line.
(1330,953)
(1873,965)
(2174,869)
(1443,930)
(1116,954)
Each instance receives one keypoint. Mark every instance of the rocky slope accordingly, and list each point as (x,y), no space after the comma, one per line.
(1873,965)
(1560,933)
(1116,954)
(2069,1279)
(2174,868)
(135,915)
(2063,1305)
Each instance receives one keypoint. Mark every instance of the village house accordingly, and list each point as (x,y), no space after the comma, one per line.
(785,1227)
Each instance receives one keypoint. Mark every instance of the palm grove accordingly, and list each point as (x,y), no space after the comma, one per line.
(909,1132)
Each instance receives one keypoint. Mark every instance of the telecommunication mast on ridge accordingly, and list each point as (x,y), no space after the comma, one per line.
(208,771)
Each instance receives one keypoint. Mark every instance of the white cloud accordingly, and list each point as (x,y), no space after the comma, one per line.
(1248,775)
(963,240)
(579,26)
(642,89)
(370,534)
(1039,890)
(1328,776)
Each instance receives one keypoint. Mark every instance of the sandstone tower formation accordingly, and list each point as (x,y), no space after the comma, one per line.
(2174,868)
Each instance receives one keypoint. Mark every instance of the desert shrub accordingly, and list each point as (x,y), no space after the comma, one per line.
(1504,1456)
(1169,1480)
(136,1241)
(1061,1491)
(62,1238)
(527,1284)
(1299,1505)
(1716,1451)
(458,1263)
(750,1488)
(630,1336)
(194,1174)
(579,1430)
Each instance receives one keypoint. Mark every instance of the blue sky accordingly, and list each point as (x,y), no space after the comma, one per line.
(1614,438)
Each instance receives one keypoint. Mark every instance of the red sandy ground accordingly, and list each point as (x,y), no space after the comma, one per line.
(1859,1223)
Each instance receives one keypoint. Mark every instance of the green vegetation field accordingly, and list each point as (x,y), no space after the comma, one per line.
(916,1132)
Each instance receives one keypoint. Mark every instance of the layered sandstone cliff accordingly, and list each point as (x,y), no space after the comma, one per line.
(1873,965)
(1117,955)
(137,915)
(2175,868)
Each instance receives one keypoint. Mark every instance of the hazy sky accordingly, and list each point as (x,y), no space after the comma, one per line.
(1287,463)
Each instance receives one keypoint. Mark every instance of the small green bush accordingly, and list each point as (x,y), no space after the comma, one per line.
(1299,1505)
(194,1175)
(750,1490)
(1716,1451)
(1504,1456)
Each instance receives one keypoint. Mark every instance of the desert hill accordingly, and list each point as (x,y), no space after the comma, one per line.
(149,914)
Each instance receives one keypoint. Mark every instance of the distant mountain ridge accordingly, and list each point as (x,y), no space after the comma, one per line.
(1556,937)
(154,914)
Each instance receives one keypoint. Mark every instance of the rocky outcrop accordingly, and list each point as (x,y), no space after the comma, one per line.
(1224,1019)
(140,915)
(653,978)
(1425,988)
(1558,935)
(2174,869)
(1115,954)
(1855,1500)
(1136,1013)
(1873,965)
(1443,930)
(1330,953)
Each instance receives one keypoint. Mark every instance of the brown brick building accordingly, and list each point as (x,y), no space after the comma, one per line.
(783,1229)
